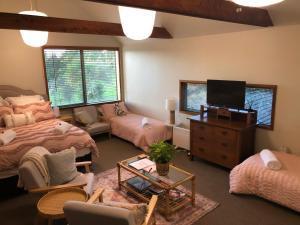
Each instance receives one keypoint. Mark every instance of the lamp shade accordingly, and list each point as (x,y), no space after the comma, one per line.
(137,24)
(170,104)
(256,3)
(34,38)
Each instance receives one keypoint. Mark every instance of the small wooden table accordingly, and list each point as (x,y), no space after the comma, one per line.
(51,205)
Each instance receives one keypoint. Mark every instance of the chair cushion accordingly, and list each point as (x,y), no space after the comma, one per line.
(139,211)
(61,166)
(97,127)
(78,213)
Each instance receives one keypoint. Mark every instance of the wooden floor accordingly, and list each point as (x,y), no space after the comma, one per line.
(211,181)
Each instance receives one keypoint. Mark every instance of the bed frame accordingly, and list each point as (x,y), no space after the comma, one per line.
(13,91)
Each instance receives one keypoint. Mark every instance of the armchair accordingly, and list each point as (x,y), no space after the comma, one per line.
(34,182)
(81,213)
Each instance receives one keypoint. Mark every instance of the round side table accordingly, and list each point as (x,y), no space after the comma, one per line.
(51,205)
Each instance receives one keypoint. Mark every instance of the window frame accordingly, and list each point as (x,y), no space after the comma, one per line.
(182,99)
(81,48)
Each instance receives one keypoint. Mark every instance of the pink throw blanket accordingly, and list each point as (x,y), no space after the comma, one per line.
(282,186)
(130,128)
(42,134)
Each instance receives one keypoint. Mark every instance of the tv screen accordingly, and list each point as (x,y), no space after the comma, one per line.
(225,93)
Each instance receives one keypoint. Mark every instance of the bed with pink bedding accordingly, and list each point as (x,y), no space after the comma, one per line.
(129,127)
(42,134)
(282,186)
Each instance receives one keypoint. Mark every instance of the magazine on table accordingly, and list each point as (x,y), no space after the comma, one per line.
(142,164)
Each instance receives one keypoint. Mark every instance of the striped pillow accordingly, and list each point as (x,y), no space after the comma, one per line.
(4,110)
(41,111)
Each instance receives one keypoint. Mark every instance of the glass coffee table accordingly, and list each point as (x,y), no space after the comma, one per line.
(172,196)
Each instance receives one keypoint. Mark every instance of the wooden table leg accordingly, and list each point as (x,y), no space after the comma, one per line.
(193,190)
(119,176)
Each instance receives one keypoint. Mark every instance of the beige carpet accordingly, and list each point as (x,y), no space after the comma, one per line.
(184,216)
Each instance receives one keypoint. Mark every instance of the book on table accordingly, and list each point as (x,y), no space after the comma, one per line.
(139,183)
(142,164)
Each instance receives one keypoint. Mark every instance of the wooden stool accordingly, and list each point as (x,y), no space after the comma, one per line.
(51,205)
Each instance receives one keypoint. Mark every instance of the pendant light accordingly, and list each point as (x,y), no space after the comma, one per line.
(137,23)
(31,37)
(256,3)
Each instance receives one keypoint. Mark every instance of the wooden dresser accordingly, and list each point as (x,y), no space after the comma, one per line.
(221,141)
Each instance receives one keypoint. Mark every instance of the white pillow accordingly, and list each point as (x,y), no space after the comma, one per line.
(3,102)
(25,99)
(17,120)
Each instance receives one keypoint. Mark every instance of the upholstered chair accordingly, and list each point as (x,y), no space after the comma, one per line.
(81,213)
(33,181)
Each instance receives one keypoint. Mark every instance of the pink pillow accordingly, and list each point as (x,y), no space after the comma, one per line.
(4,110)
(41,111)
(109,110)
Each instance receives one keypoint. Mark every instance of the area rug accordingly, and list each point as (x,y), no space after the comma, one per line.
(185,216)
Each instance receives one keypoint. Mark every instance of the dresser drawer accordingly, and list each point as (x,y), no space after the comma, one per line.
(204,130)
(200,151)
(225,134)
(227,160)
(225,146)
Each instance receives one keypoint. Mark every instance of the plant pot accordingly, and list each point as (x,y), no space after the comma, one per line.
(162,169)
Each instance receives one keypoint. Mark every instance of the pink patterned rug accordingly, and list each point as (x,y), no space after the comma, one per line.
(185,216)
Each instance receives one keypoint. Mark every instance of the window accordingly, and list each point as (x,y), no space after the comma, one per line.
(258,97)
(81,76)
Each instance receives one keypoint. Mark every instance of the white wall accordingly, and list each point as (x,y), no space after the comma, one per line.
(153,69)
(22,66)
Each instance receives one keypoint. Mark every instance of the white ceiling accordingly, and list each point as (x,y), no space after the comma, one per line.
(285,13)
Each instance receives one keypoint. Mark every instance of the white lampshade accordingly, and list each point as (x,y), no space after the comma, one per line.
(137,24)
(170,104)
(256,3)
(34,38)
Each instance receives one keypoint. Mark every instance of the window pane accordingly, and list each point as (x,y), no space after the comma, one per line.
(63,71)
(260,99)
(101,75)
(196,96)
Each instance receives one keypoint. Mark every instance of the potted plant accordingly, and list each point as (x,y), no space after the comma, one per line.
(162,153)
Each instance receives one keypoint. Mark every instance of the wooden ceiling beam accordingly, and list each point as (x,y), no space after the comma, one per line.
(221,10)
(53,24)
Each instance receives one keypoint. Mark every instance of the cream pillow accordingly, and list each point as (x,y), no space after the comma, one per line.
(17,120)
(84,117)
(25,99)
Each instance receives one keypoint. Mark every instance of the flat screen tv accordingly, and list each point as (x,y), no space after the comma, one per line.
(226,93)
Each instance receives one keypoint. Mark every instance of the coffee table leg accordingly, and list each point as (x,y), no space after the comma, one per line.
(50,221)
(193,190)
(119,176)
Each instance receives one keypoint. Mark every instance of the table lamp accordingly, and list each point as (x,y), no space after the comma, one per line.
(171,106)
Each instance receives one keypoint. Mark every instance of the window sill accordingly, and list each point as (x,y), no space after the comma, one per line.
(82,105)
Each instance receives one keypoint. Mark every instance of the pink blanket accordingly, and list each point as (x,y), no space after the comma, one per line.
(42,134)
(282,187)
(130,128)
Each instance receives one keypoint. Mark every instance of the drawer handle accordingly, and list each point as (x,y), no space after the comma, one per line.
(201,138)
(224,144)
(224,133)
(201,149)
